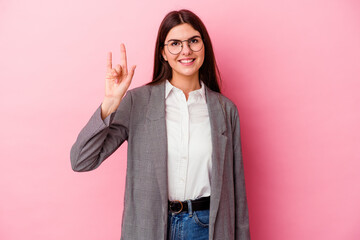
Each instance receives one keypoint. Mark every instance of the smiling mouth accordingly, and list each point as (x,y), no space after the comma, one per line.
(187,60)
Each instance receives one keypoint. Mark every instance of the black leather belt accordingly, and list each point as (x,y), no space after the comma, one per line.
(196,205)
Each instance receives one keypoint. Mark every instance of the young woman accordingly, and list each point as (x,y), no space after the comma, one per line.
(183,141)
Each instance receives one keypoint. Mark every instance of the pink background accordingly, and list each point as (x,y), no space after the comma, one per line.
(292,68)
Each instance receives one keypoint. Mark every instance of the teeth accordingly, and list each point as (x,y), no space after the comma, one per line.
(187,61)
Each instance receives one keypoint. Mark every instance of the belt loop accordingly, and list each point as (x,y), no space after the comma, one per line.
(189,207)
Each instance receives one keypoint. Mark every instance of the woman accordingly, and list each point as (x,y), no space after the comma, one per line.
(183,141)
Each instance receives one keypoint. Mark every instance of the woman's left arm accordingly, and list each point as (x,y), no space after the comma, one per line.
(242,230)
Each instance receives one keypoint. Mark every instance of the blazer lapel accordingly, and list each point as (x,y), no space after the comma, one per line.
(156,130)
(218,128)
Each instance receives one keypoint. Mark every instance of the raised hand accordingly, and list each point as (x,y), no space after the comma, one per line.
(118,79)
(117,82)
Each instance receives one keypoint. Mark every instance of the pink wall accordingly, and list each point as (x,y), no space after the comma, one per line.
(292,68)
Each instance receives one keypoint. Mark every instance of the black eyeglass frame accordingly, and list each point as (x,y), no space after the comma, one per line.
(182,45)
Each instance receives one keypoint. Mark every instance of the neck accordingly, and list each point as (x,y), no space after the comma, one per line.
(186,83)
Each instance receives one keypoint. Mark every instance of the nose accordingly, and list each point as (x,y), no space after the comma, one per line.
(186,50)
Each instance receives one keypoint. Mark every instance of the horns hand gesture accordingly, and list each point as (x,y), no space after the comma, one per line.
(117,82)
(118,79)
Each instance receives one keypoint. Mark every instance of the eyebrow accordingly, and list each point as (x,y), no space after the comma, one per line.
(186,39)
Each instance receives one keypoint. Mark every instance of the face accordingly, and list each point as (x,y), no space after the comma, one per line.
(187,62)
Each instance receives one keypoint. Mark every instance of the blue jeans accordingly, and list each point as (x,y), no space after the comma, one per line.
(188,225)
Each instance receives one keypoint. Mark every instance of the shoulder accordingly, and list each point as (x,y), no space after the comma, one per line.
(145,91)
(228,105)
(140,92)
(146,96)
(139,96)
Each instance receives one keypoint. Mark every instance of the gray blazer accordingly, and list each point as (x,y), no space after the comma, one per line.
(140,119)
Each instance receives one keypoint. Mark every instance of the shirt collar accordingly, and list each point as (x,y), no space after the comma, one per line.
(169,87)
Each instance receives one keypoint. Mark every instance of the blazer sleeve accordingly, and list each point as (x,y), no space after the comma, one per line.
(100,138)
(242,230)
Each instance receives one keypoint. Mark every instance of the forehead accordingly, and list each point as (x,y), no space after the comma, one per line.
(182,32)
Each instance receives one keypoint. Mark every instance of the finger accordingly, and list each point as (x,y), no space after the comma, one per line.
(109,60)
(131,73)
(115,76)
(123,58)
(110,73)
(118,69)
(114,72)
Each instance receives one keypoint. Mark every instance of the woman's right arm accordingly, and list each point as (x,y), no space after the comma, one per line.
(107,129)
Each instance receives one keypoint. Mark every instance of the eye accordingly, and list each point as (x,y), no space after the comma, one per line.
(194,40)
(175,43)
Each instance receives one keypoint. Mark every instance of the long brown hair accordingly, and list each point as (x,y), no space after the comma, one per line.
(208,72)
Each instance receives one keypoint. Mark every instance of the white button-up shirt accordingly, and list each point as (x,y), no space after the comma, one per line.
(189,143)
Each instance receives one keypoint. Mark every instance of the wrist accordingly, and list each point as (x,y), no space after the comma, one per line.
(108,106)
(111,101)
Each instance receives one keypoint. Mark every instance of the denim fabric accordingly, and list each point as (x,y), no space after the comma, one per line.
(188,225)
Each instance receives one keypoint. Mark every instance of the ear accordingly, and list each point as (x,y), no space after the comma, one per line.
(163,54)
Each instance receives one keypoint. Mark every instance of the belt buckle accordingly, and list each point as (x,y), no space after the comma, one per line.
(172,204)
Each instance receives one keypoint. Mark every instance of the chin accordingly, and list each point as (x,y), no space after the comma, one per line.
(187,73)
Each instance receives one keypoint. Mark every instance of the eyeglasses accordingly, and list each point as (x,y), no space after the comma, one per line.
(176,46)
